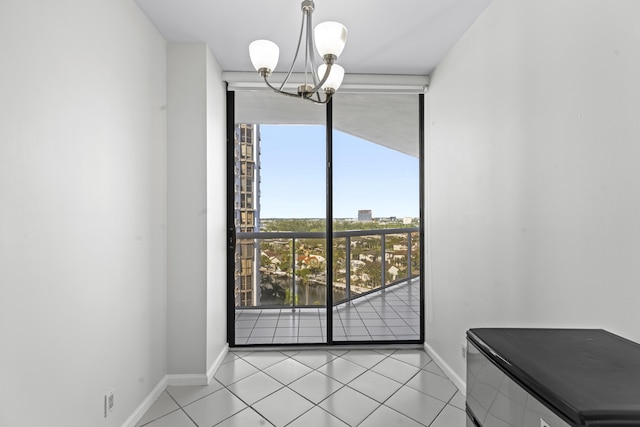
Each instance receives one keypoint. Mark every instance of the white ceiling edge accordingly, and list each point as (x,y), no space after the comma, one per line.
(352,83)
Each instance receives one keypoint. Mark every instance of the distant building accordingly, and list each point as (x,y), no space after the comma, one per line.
(407,220)
(365,216)
(386,220)
(247,213)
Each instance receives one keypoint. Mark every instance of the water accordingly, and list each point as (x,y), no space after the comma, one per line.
(276,290)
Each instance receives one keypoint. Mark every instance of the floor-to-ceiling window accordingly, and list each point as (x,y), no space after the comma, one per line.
(325,220)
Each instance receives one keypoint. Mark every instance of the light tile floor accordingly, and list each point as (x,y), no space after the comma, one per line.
(390,315)
(316,388)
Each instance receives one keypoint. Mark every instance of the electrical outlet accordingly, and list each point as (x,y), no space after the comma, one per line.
(543,423)
(109,403)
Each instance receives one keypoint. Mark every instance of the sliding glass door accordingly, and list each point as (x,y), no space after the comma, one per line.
(280,275)
(376,218)
(324,219)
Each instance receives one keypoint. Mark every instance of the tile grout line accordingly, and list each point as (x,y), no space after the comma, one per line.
(248,406)
(292,390)
(180,408)
(337,356)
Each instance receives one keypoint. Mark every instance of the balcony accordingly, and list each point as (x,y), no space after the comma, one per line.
(376,295)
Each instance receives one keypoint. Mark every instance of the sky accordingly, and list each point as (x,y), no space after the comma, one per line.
(366,175)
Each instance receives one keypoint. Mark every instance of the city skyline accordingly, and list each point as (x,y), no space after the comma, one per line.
(366,175)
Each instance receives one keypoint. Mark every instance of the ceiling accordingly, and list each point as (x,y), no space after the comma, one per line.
(390,120)
(401,38)
(406,37)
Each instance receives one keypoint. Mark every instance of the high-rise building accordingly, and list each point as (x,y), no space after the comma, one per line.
(247,213)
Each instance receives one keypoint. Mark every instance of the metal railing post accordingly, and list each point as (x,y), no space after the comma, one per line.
(293,276)
(409,254)
(383,260)
(348,270)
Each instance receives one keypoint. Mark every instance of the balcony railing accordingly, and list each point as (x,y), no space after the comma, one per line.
(290,267)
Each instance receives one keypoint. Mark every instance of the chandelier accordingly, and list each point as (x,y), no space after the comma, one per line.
(330,38)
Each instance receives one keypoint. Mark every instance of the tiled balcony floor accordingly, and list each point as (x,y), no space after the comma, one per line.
(316,388)
(390,315)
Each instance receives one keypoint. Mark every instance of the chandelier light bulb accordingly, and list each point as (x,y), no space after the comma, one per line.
(264,55)
(335,76)
(330,38)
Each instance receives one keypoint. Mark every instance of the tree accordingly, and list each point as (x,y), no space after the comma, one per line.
(373,270)
(288,299)
(265,261)
(271,290)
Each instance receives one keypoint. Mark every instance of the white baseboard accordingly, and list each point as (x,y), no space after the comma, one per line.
(175,380)
(200,379)
(187,379)
(146,403)
(457,381)
(216,363)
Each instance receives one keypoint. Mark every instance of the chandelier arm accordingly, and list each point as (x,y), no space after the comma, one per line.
(275,89)
(320,101)
(317,95)
(295,56)
(308,49)
(324,79)
(314,74)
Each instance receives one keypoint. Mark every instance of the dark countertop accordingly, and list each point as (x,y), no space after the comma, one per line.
(590,376)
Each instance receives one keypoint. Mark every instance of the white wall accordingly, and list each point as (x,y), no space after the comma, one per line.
(197,209)
(82,211)
(187,213)
(533,169)
(216,213)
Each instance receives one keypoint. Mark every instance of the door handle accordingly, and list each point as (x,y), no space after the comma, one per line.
(232,238)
